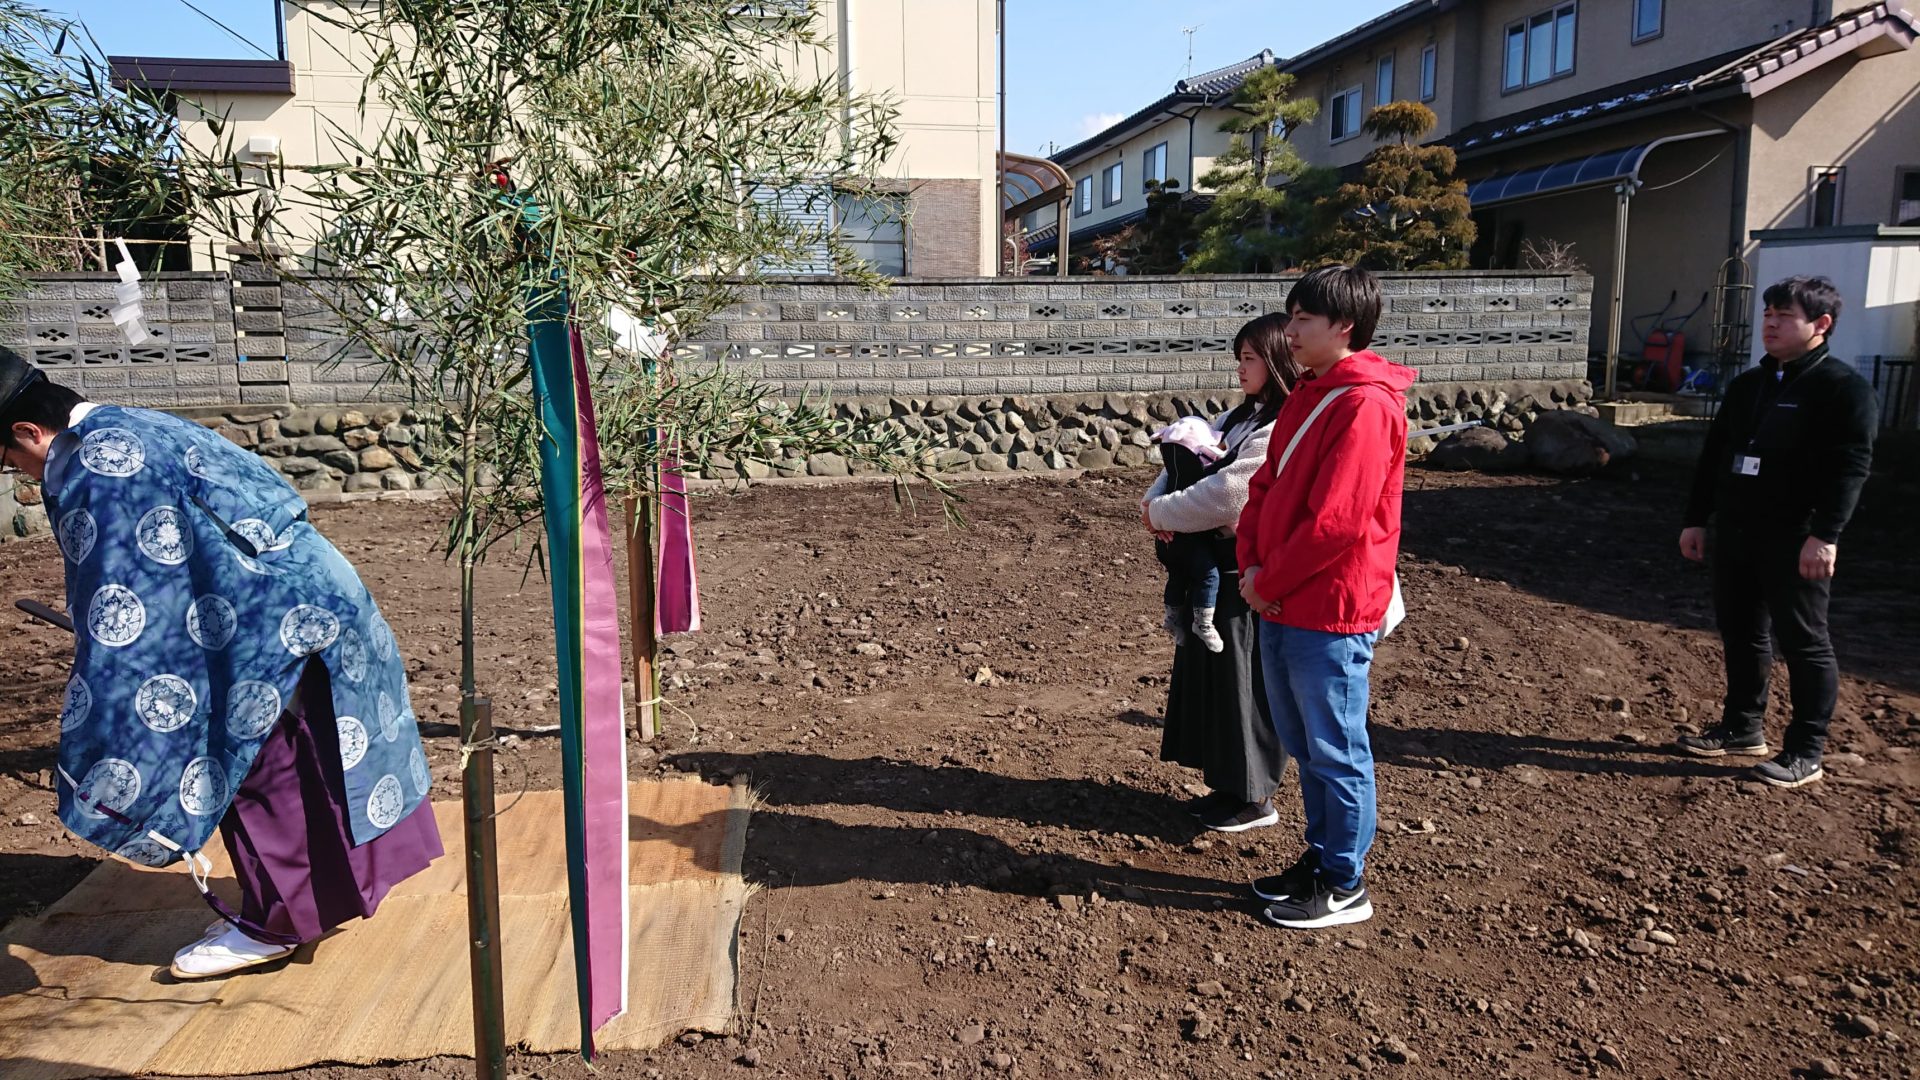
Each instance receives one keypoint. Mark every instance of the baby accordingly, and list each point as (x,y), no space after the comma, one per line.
(1188,446)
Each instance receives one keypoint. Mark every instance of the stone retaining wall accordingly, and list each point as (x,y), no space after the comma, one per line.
(326,452)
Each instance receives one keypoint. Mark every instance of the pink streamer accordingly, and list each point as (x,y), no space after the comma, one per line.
(677,610)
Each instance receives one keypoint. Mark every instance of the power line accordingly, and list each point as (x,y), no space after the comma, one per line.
(236,34)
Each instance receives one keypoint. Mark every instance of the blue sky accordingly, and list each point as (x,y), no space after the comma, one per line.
(1073,66)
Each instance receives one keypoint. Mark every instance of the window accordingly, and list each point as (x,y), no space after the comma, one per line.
(1539,49)
(875,227)
(1345,110)
(808,208)
(1906,196)
(1083,197)
(1111,192)
(1383,80)
(1825,188)
(1429,72)
(1649,19)
(1153,166)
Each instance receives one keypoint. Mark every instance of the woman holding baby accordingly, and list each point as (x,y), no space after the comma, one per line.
(1216,704)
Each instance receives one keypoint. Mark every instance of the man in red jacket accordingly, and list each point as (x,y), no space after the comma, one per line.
(1318,540)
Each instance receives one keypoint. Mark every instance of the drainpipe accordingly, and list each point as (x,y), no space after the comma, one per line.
(1000,163)
(846,69)
(1623,193)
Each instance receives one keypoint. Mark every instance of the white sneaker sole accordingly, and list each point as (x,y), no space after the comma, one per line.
(1360,912)
(1272,818)
(1790,784)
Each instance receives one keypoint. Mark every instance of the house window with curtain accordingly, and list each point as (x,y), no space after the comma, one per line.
(1826,187)
(1111,191)
(1649,19)
(1383,80)
(1429,72)
(1344,114)
(1153,166)
(1906,196)
(1539,48)
(1083,197)
(875,227)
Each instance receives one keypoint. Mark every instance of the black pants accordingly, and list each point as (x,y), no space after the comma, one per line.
(1193,569)
(1759,598)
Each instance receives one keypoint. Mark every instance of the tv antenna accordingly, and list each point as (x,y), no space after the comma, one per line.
(1190,31)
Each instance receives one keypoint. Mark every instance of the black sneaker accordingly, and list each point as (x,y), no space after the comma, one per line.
(1206,804)
(1229,818)
(1721,740)
(1323,906)
(1295,880)
(1789,770)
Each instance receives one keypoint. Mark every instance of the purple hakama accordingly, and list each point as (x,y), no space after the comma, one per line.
(288,834)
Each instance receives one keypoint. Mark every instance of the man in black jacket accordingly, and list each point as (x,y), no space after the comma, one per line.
(1782,470)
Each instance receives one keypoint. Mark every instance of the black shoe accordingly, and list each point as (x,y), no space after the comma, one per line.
(1295,880)
(1206,804)
(1790,770)
(1721,740)
(1323,906)
(1230,818)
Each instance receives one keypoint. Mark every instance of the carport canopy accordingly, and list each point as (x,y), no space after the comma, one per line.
(1570,174)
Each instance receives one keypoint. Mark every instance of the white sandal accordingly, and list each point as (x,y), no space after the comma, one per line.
(224,953)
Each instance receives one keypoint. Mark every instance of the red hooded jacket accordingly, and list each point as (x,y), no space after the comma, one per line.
(1327,533)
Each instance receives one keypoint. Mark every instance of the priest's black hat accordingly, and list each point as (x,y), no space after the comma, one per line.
(15,376)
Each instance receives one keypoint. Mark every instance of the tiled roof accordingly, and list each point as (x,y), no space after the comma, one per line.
(1223,81)
(1618,98)
(1751,71)
(1791,56)
(1207,88)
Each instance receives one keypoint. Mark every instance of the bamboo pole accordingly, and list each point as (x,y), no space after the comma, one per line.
(640,597)
(477,805)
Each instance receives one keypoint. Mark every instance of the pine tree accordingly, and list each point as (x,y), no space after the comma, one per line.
(1158,244)
(1248,228)
(1407,212)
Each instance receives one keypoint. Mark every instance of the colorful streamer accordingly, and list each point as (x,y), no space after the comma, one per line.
(587,644)
(676,580)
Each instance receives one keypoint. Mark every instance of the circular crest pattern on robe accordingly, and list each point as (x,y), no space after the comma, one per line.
(201,594)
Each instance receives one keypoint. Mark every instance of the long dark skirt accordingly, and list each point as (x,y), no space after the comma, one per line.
(287,831)
(1217,718)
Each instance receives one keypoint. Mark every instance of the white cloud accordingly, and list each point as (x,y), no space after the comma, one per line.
(1094,123)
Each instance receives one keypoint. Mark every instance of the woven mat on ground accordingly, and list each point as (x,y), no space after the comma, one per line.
(84,989)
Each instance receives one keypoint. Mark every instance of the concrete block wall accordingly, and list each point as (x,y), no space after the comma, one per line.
(1119,335)
(251,340)
(64,325)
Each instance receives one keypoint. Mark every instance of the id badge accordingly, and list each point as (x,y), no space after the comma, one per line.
(1746,465)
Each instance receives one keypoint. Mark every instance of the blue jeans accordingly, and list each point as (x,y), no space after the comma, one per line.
(1317,693)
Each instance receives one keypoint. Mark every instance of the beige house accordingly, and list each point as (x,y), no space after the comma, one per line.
(934,58)
(1176,138)
(1669,141)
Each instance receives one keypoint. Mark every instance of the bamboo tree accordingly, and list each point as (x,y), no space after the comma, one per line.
(78,158)
(639,154)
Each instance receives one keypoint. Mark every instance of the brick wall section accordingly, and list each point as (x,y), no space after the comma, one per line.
(943,232)
(1120,335)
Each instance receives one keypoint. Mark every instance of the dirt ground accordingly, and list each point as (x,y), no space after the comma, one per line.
(978,874)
